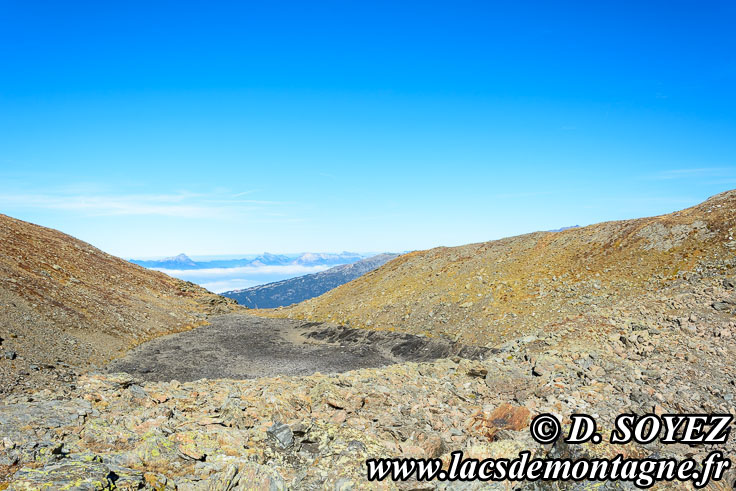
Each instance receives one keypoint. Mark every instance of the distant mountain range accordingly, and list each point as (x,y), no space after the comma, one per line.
(294,290)
(182,261)
(562,229)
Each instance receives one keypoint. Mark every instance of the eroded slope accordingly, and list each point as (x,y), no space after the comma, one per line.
(65,304)
(485,293)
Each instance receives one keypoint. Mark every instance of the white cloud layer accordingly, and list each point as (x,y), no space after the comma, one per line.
(229,285)
(220,280)
(289,270)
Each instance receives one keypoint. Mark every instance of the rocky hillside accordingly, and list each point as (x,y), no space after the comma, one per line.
(645,315)
(66,305)
(294,290)
(315,432)
(486,293)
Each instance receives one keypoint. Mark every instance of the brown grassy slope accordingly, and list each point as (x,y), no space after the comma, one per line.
(62,299)
(484,293)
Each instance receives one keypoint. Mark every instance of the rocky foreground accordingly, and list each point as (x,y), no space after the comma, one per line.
(670,351)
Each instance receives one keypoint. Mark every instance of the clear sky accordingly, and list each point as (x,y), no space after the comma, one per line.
(153,128)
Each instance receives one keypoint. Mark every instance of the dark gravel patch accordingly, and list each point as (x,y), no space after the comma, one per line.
(238,346)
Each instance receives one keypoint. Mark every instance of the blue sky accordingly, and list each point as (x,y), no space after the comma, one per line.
(153,128)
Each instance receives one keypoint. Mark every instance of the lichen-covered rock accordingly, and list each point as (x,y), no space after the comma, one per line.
(247,476)
(68,474)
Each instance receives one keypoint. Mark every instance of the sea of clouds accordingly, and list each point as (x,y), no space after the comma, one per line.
(220,280)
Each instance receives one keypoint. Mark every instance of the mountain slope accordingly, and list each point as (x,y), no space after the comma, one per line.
(487,292)
(66,303)
(294,290)
(643,315)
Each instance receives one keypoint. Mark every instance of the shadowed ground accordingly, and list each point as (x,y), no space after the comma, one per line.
(244,346)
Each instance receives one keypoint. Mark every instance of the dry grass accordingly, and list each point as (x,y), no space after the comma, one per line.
(482,293)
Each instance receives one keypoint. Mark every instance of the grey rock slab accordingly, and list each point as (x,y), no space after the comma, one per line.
(21,420)
(722,306)
(282,434)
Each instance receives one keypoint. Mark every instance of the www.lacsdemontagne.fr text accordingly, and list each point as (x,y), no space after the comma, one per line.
(643,473)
